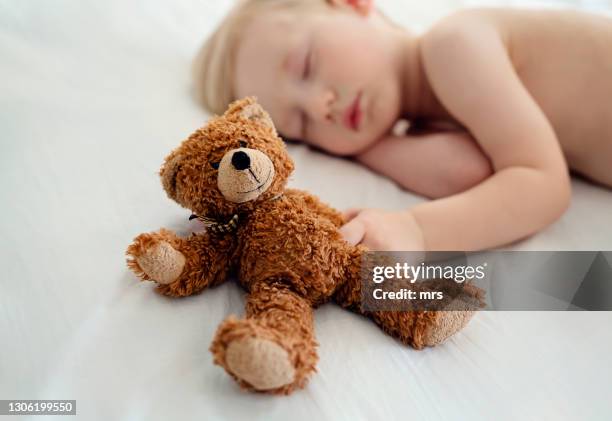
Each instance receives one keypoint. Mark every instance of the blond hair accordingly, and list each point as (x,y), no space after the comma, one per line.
(213,67)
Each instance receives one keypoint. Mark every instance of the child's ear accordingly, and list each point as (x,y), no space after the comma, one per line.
(363,7)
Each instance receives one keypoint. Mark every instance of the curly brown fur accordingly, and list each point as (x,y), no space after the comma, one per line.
(189,179)
(287,253)
(206,260)
(417,328)
(276,313)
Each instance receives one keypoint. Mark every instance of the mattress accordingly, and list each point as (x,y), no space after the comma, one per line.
(94,95)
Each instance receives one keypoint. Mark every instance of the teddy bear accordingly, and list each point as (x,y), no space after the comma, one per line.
(282,245)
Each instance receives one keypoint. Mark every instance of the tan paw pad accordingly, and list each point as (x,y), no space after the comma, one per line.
(447,324)
(263,364)
(162,263)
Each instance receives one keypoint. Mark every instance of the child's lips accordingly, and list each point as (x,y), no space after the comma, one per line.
(353,114)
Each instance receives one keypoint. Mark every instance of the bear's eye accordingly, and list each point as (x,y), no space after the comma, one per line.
(215,165)
(243,143)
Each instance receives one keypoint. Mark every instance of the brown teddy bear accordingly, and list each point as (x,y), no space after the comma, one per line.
(283,245)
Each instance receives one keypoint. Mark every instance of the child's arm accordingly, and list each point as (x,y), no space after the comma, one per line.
(471,73)
(433,165)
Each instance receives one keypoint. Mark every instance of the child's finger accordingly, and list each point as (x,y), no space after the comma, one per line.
(353,231)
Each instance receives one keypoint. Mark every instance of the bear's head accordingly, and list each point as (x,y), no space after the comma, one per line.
(230,165)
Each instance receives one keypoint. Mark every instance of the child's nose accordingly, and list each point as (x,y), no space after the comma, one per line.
(322,106)
(329,103)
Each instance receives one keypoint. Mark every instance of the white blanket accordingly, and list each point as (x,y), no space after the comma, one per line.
(93,96)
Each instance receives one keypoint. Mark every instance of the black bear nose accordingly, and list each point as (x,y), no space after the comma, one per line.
(240,160)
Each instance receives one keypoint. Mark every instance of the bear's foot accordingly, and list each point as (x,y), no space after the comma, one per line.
(260,362)
(262,358)
(454,317)
(446,325)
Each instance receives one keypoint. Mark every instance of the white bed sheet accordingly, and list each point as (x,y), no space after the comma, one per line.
(93,96)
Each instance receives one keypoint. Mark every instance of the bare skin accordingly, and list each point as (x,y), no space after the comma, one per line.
(306,71)
(538,106)
(567,67)
(564,60)
(524,97)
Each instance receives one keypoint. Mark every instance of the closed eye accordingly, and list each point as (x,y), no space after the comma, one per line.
(306,69)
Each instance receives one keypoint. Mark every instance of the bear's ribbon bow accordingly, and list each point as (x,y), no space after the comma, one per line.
(217,227)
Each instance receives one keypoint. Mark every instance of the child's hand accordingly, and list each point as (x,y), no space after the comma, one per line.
(383,230)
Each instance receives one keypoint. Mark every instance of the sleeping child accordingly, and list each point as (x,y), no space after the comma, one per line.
(502,105)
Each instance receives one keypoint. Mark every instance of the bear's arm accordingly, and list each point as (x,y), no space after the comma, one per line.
(181,266)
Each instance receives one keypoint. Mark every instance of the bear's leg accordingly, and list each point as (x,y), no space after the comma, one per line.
(273,349)
(424,328)
(419,328)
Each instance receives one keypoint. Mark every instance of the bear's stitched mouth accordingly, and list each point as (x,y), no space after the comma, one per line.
(260,186)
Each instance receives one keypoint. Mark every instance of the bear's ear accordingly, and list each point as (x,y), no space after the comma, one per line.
(249,109)
(168,173)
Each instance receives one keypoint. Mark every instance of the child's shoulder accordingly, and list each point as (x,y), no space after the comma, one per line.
(463,24)
(465,60)
(476,23)
(462,38)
